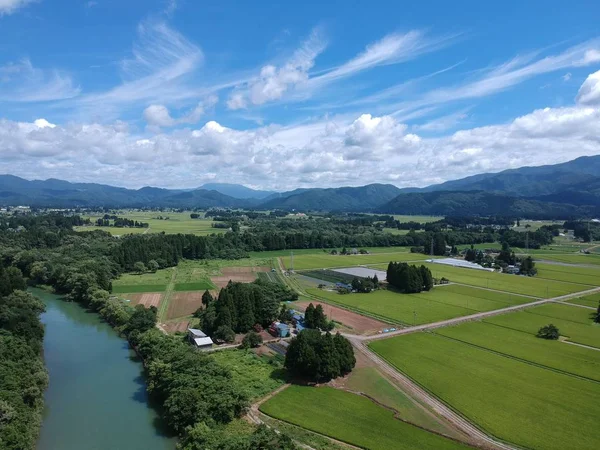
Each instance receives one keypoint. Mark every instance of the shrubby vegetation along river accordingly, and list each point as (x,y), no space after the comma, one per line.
(97,398)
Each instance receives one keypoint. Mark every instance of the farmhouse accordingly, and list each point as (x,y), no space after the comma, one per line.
(279,329)
(199,338)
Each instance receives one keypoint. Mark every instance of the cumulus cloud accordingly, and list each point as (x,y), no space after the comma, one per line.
(273,81)
(159,115)
(589,92)
(328,152)
(20,81)
(10,6)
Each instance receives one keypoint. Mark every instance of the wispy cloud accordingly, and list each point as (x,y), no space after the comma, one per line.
(392,49)
(509,74)
(159,116)
(161,60)
(22,82)
(10,6)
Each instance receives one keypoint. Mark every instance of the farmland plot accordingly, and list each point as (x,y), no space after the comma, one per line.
(515,401)
(350,418)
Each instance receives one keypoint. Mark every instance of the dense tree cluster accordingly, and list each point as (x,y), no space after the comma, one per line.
(527,267)
(315,318)
(584,230)
(319,357)
(364,285)
(23,377)
(409,279)
(201,437)
(240,306)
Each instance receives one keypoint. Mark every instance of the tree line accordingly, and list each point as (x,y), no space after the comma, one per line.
(23,376)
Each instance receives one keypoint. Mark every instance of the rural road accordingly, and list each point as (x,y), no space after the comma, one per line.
(479,437)
(477,316)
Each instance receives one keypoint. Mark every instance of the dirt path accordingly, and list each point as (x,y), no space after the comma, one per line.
(164,305)
(578,305)
(479,438)
(581,345)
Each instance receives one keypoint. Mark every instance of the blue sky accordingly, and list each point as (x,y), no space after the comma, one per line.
(176,93)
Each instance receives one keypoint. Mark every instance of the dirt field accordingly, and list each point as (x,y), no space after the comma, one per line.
(147,299)
(240,274)
(174,327)
(360,324)
(184,303)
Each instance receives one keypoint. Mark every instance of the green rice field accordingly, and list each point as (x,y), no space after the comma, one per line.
(533,286)
(573,274)
(591,300)
(575,258)
(418,219)
(556,355)
(350,418)
(198,286)
(513,400)
(573,323)
(441,303)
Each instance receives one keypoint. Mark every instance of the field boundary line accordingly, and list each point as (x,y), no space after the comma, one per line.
(438,405)
(522,360)
(582,345)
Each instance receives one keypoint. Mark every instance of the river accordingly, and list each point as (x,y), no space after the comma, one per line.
(96,399)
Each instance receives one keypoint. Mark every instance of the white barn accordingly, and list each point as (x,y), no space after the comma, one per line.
(199,338)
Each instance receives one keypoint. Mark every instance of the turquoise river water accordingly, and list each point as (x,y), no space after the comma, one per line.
(96,399)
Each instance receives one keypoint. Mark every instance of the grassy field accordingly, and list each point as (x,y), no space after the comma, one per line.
(171,223)
(396,231)
(418,219)
(324,252)
(137,288)
(573,322)
(573,274)
(189,276)
(323,261)
(441,303)
(350,418)
(531,406)
(556,355)
(590,300)
(258,375)
(369,381)
(533,286)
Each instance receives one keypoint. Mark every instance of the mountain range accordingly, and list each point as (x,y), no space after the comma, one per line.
(567,189)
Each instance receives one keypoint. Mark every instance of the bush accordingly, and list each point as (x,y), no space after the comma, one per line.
(548,332)
(224,334)
(252,340)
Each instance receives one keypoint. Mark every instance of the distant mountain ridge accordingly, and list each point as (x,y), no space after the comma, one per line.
(571,188)
(237,190)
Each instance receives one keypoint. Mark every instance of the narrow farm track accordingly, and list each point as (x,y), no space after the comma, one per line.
(477,316)
(164,305)
(479,438)
(578,305)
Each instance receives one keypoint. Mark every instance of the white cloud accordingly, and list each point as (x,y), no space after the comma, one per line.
(499,78)
(22,82)
(161,61)
(589,92)
(91,4)
(273,82)
(159,115)
(392,49)
(566,77)
(10,6)
(171,7)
